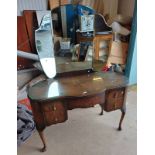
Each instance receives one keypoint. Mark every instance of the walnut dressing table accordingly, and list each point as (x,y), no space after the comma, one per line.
(52,98)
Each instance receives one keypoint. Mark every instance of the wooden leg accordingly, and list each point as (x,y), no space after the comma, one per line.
(101,113)
(121,120)
(41,134)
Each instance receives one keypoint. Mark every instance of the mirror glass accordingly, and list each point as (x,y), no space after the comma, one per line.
(73,28)
(44,45)
(65,37)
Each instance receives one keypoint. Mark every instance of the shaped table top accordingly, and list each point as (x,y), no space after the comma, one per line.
(76,86)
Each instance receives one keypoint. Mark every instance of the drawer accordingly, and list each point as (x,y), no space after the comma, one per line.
(51,106)
(116,93)
(114,99)
(38,115)
(85,102)
(54,112)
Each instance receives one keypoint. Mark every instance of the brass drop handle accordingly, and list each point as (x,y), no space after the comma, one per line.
(54,108)
(122,92)
(115,95)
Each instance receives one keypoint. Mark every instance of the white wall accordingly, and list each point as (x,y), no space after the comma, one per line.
(110,7)
(31,5)
(126,7)
(133,72)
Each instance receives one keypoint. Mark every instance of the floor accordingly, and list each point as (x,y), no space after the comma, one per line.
(87,133)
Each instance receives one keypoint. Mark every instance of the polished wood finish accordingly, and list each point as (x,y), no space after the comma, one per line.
(114,99)
(81,38)
(31,25)
(85,102)
(50,99)
(23,44)
(76,86)
(26,26)
(123,111)
(121,120)
(41,134)
(38,115)
(54,112)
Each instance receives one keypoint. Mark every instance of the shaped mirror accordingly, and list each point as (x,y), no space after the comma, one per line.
(44,46)
(64,40)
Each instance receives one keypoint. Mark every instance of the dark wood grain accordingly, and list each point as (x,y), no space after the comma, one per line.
(23,44)
(41,134)
(38,115)
(85,102)
(76,86)
(114,99)
(31,25)
(54,112)
(50,99)
(81,38)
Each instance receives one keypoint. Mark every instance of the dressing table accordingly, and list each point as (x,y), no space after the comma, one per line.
(75,85)
(51,99)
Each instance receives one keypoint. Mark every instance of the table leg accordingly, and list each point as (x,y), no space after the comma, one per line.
(41,134)
(101,113)
(121,120)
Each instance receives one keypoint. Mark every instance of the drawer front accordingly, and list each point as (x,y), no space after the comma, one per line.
(38,115)
(114,99)
(54,112)
(85,102)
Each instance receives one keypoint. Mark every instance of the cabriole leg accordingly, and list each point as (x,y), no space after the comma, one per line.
(121,120)
(41,134)
(101,113)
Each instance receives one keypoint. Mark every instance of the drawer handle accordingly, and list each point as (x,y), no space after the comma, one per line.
(115,95)
(54,108)
(122,92)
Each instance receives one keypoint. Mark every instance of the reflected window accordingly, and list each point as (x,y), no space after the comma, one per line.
(53,89)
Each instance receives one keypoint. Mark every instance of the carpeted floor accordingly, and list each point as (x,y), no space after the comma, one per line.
(87,133)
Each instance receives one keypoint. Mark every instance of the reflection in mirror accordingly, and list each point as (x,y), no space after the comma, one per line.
(78,57)
(71,53)
(67,20)
(44,46)
(53,89)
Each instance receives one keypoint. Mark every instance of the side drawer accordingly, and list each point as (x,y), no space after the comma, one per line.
(54,112)
(114,99)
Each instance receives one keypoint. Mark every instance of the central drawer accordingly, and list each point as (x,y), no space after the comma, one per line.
(85,102)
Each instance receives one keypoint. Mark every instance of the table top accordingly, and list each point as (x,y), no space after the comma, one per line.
(76,86)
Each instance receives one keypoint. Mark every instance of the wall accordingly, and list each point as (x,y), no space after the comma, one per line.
(126,7)
(31,5)
(131,66)
(104,6)
(110,7)
(133,71)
